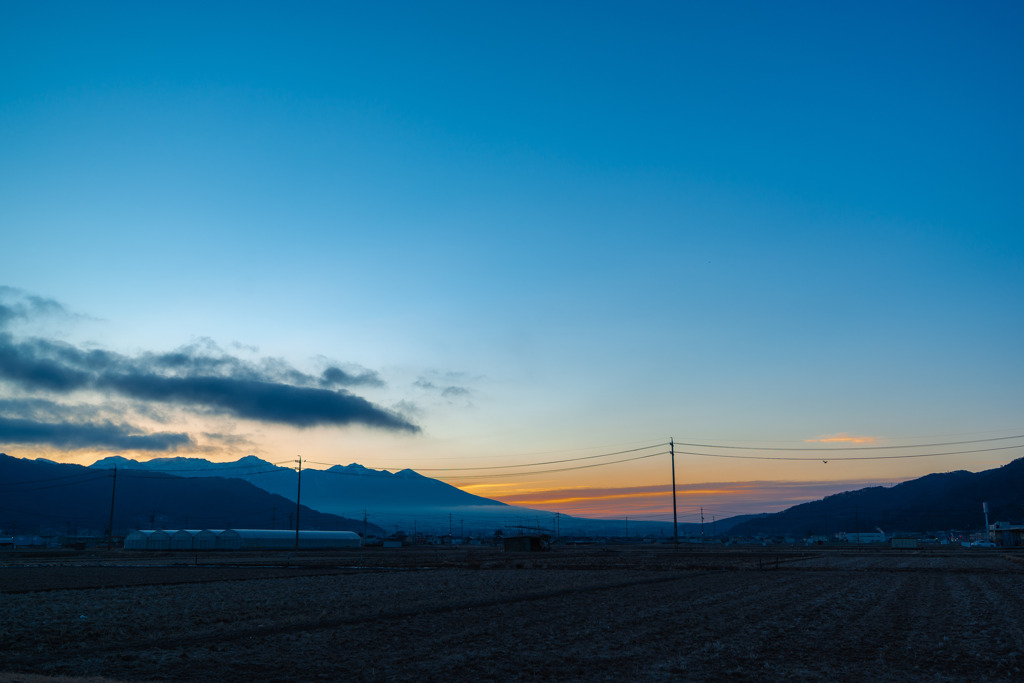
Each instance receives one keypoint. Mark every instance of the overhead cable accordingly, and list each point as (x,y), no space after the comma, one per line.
(847,448)
(536,464)
(559,469)
(852,457)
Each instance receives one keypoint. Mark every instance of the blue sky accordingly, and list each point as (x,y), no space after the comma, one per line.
(546,229)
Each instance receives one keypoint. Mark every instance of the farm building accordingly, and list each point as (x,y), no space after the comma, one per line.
(278,539)
(526,543)
(238,539)
(865,537)
(1006,535)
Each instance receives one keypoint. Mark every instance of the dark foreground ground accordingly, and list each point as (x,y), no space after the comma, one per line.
(574,614)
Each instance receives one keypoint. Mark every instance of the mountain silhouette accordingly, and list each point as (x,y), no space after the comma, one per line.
(45,497)
(951,500)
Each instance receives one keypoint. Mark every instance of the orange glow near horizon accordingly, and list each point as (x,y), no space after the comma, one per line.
(842,437)
(724,499)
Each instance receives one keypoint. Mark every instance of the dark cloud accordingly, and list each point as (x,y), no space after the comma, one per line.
(200,377)
(266,401)
(88,435)
(31,366)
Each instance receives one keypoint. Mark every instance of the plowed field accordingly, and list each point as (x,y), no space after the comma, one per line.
(571,614)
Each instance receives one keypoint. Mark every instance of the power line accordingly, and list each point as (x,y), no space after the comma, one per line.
(535,464)
(560,469)
(851,448)
(505,467)
(855,457)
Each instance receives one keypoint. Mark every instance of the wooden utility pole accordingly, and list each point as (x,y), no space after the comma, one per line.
(675,516)
(110,522)
(298,499)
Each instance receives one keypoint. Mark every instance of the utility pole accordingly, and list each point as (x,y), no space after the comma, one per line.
(701,523)
(364,523)
(675,517)
(856,522)
(557,524)
(298,498)
(110,523)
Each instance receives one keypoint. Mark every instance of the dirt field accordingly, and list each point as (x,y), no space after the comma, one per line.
(610,613)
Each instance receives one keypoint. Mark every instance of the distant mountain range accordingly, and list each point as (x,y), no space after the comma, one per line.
(250,492)
(341,489)
(952,500)
(45,497)
(402,500)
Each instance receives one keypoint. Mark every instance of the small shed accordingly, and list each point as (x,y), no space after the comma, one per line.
(527,543)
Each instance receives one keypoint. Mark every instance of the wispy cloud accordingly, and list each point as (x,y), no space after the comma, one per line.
(16,304)
(200,378)
(444,386)
(842,437)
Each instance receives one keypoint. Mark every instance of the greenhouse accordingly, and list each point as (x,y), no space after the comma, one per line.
(184,539)
(279,539)
(207,539)
(147,539)
(239,539)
